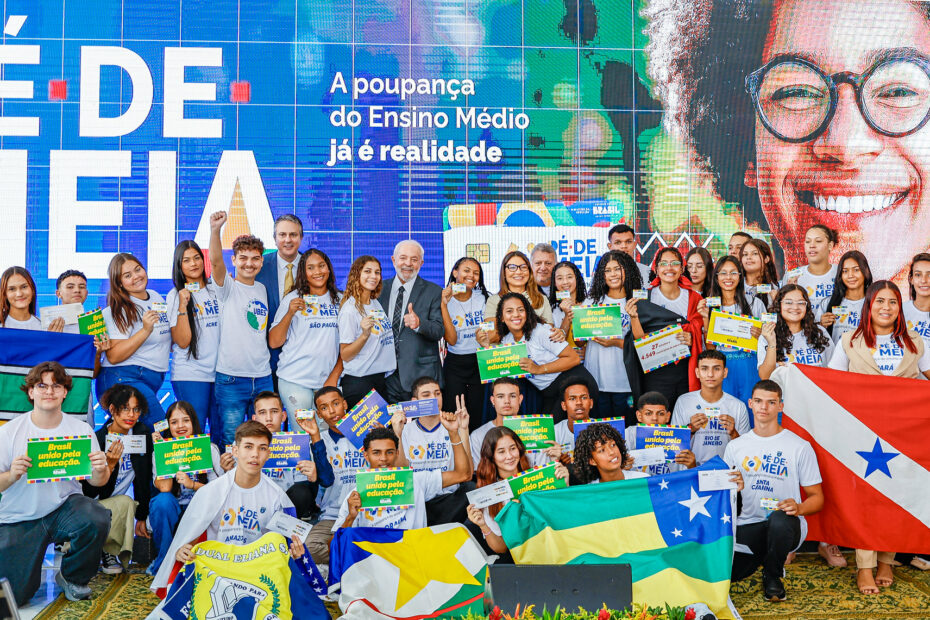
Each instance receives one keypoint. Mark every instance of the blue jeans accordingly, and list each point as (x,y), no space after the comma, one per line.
(164,515)
(233,402)
(295,397)
(200,395)
(145,380)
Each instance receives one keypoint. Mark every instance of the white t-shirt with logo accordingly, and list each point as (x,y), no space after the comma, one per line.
(466,317)
(312,345)
(186,367)
(31,324)
(773,467)
(377,355)
(243,350)
(846,322)
(25,502)
(345,461)
(802,352)
(154,351)
(679,305)
(541,350)
(428,449)
(426,486)
(818,287)
(246,513)
(606,363)
(888,355)
(124,477)
(917,320)
(711,440)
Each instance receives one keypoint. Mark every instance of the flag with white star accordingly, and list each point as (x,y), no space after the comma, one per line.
(677,539)
(868,434)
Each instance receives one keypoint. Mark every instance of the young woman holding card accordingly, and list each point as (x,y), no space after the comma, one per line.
(548,362)
(174,494)
(18,303)
(566,278)
(462,305)
(794,337)
(699,265)
(502,456)
(194,317)
(137,323)
(917,308)
(306,326)
(727,284)
(853,277)
(127,491)
(600,453)
(758,263)
(516,276)
(366,339)
(882,344)
(614,281)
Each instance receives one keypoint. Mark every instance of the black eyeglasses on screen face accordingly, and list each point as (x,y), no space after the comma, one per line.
(796,100)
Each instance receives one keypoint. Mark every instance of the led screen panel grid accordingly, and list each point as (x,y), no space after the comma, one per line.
(577,72)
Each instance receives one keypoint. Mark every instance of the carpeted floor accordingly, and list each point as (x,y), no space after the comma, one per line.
(815,592)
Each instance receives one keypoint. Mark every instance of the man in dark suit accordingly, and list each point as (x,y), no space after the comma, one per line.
(412,306)
(279,270)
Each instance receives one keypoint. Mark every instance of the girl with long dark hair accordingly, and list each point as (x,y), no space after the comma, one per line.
(842,311)
(917,308)
(306,327)
(613,283)
(699,265)
(727,283)
(194,317)
(759,270)
(140,335)
(18,301)
(462,314)
(566,278)
(794,337)
(516,276)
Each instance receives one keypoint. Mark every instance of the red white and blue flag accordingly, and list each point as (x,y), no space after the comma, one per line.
(870,433)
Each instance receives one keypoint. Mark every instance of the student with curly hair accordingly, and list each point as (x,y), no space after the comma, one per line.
(243,362)
(763,94)
(599,456)
(853,277)
(614,281)
(366,339)
(794,337)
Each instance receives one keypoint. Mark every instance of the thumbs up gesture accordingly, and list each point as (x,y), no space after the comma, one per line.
(411,319)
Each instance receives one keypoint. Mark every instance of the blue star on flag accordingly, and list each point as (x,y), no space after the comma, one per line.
(877,459)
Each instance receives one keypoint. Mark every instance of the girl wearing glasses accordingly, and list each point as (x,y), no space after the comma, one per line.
(794,337)
(462,313)
(830,125)
(727,284)
(881,345)
(127,491)
(699,264)
(758,263)
(840,313)
(614,281)
(140,334)
(515,277)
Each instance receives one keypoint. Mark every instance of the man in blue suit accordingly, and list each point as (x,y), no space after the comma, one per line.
(412,306)
(279,271)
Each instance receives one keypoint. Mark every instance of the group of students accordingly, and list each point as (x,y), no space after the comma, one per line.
(247,352)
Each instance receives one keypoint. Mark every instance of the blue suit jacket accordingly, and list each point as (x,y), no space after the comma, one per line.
(269,277)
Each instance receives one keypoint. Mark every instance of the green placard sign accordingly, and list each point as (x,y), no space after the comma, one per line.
(390,487)
(190,455)
(58,458)
(535,431)
(92,323)
(597,322)
(501,361)
(538,479)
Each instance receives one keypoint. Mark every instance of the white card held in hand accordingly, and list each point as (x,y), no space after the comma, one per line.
(311,299)
(647,456)
(377,314)
(763,289)
(640,293)
(68,312)
(159,306)
(713,302)
(193,287)
(769,504)
(132,444)
(288,526)
(305,414)
(489,495)
(769,317)
(161,426)
(459,288)
(715,480)
(486,326)
(560,295)
(712,412)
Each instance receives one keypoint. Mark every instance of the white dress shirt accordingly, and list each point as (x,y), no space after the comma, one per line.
(282,272)
(408,287)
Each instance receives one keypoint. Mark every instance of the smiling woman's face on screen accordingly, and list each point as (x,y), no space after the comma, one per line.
(872,188)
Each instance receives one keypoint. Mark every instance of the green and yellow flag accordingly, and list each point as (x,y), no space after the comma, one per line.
(678,541)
